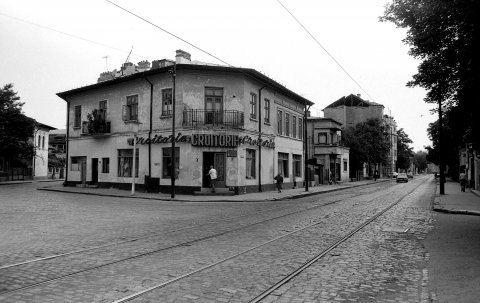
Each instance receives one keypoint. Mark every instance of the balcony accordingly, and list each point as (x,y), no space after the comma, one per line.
(95,127)
(201,117)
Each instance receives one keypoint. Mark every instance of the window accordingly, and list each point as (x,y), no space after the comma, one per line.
(105,165)
(130,111)
(43,142)
(39,142)
(266,114)
(167,162)
(102,105)
(300,128)
(250,165)
(78,117)
(253,106)
(345,167)
(283,164)
(322,138)
(167,109)
(297,165)
(294,126)
(279,122)
(287,124)
(75,163)
(125,162)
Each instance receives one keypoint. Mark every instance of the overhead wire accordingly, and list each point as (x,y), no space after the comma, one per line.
(326,51)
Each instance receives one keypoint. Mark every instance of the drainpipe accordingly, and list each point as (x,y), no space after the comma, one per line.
(259,138)
(305,145)
(150,129)
(66,143)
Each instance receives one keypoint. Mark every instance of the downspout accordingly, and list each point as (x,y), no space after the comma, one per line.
(65,183)
(259,139)
(305,145)
(150,129)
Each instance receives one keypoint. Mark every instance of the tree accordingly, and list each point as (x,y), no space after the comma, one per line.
(16,129)
(444,35)
(420,160)
(404,151)
(368,143)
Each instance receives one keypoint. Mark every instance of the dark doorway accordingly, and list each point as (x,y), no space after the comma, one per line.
(94,170)
(218,162)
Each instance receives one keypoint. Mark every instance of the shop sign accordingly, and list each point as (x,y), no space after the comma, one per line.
(232,153)
(206,140)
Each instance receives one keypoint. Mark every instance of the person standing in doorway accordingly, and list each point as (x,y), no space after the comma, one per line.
(279,180)
(463,180)
(213,177)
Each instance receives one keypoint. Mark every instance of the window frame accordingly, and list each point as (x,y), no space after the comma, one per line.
(105,165)
(77,117)
(280,122)
(266,115)
(253,106)
(300,128)
(321,136)
(294,126)
(283,162)
(287,124)
(130,109)
(297,165)
(121,171)
(167,108)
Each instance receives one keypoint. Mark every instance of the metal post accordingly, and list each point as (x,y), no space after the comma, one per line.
(305,147)
(173,170)
(134,165)
(440,158)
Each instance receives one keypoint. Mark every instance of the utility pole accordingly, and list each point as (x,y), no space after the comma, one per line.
(440,147)
(173,72)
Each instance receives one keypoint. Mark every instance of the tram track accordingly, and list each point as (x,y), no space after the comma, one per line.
(188,243)
(97,247)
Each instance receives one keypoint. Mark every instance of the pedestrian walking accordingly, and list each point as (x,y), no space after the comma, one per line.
(279,180)
(463,180)
(375,175)
(213,177)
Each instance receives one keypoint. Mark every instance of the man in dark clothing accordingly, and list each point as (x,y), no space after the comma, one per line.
(279,180)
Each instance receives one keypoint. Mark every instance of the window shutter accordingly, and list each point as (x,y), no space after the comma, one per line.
(124,112)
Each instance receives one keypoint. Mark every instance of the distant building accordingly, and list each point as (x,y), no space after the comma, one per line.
(351,110)
(40,142)
(57,148)
(324,137)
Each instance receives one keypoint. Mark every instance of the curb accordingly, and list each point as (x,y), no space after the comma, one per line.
(457,211)
(291,197)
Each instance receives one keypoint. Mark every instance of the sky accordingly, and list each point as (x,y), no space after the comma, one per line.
(52,46)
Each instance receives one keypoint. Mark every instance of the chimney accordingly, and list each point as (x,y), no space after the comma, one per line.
(359,95)
(182,57)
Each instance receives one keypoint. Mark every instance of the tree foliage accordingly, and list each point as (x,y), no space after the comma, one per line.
(444,35)
(420,160)
(404,151)
(16,129)
(368,143)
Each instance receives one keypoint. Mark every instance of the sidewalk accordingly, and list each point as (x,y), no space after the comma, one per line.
(249,197)
(457,202)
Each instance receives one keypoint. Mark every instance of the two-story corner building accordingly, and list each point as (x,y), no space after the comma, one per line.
(40,142)
(325,145)
(246,125)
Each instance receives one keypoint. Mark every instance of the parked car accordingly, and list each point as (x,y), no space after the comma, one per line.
(394,174)
(402,177)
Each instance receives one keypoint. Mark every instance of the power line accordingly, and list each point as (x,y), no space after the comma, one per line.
(67,34)
(170,33)
(326,51)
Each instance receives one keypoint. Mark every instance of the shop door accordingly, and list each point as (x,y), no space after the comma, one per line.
(218,161)
(83,169)
(94,170)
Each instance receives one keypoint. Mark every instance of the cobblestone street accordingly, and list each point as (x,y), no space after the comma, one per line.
(62,247)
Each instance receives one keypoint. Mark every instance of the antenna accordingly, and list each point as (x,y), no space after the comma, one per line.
(128,57)
(106,61)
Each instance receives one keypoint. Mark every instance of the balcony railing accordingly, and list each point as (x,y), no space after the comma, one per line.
(95,127)
(201,117)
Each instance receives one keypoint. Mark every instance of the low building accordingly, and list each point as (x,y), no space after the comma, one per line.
(57,148)
(330,158)
(246,125)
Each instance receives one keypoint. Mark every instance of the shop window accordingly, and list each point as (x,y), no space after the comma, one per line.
(294,126)
(250,164)
(287,124)
(283,164)
(130,110)
(105,165)
(125,162)
(77,121)
(280,122)
(266,114)
(167,109)
(253,106)
(167,162)
(297,165)
(75,163)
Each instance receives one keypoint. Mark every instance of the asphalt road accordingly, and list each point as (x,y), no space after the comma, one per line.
(60,247)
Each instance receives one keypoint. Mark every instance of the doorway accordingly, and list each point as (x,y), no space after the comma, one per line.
(218,162)
(94,170)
